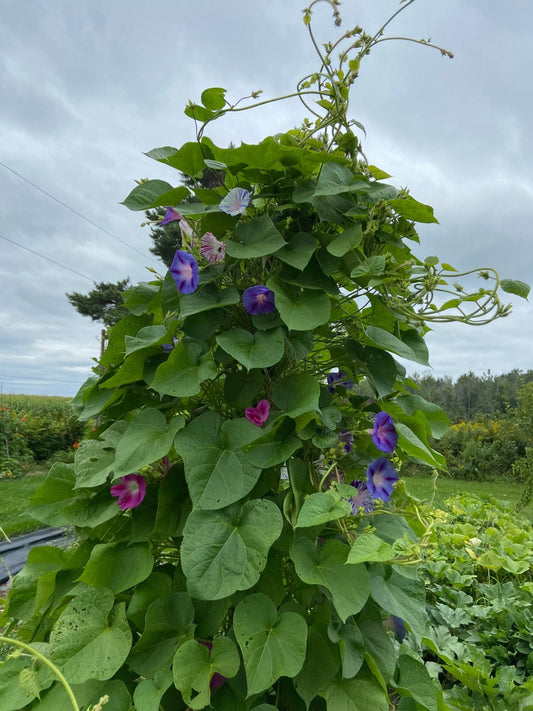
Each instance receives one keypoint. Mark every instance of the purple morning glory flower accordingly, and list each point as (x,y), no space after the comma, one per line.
(167,347)
(130,491)
(338,378)
(212,249)
(381,476)
(235,202)
(186,230)
(170,215)
(397,625)
(185,273)
(384,434)
(258,300)
(363,499)
(347,439)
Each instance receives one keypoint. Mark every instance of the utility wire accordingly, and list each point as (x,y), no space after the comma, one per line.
(30,377)
(79,214)
(63,266)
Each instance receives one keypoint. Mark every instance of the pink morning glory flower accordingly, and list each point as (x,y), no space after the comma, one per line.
(130,491)
(339,378)
(235,202)
(185,272)
(363,499)
(258,415)
(258,300)
(212,249)
(380,477)
(384,434)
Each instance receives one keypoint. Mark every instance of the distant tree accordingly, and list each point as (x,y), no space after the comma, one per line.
(103,303)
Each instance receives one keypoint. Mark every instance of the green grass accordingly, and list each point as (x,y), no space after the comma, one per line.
(506,492)
(14,497)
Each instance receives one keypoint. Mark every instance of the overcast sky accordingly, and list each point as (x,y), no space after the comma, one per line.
(86,87)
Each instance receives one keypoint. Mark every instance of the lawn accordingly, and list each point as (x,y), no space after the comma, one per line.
(14,497)
(506,492)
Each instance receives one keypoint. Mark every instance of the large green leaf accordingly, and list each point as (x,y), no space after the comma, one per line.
(367,547)
(437,419)
(296,394)
(184,370)
(207,298)
(414,681)
(258,350)
(146,338)
(118,566)
(300,309)
(152,193)
(401,596)
(514,286)
(87,695)
(91,639)
(272,645)
(195,665)
(414,447)
(169,623)
(147,439)
(327,566)
(411,209)
(274,447)
(349,239)
(95,457)
(322,661)
(224,551)
(361,693)
(298,251)
(216,469)
(257,238)
(321,507)
(48,502)
(409,347)
(149,692)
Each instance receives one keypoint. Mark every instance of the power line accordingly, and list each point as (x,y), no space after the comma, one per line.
(79,214)
(63,266)
(30,377)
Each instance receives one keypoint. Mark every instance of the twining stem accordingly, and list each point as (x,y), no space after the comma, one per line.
(34,653)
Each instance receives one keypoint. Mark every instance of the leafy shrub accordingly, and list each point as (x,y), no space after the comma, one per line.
(47,425)
(483,450)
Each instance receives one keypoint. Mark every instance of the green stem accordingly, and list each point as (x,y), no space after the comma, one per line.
(48,663)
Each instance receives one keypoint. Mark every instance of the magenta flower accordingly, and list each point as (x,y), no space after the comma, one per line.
(346,438)
(212,249)
(363,499)
(185,273)
(170,215)
(380,477)
(339,378)
(235,202)
(130,491)
(384,434)
(258,415)
(258,300)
